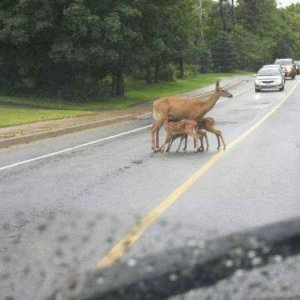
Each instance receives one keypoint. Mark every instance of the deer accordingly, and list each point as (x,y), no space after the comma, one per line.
(182,108)
(202,134)
(208,124)
(180,128)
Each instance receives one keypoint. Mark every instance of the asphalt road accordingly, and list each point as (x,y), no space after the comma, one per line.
(63,212)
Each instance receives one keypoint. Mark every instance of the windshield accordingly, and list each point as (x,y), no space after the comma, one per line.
(268,72)
(284,62)
(272,66)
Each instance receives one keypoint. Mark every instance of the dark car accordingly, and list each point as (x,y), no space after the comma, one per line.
(289,66)
(298,66)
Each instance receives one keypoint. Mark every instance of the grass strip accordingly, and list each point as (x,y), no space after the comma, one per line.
(12,115)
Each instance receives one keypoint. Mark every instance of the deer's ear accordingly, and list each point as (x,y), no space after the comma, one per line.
(218,86)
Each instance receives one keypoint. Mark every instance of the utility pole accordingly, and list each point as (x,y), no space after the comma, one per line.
(233,12)
(201,9)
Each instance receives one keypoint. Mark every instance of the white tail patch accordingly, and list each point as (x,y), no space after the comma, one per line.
(154,115)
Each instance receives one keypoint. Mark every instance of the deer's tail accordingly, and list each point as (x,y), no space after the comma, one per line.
(154,114)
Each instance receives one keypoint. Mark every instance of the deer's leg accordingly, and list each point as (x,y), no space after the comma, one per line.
(195,143)
(185,142)
(167,140)
(170,143)
(159,124)
(157,138)
(206,140)
(196,138)
(222,139)
(174,137)
(219,143)
(181,140)
(219,136)
(203,135)
(201,143)
(153,131)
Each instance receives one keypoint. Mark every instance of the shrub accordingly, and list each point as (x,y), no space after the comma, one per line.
(168,73)
(190,71)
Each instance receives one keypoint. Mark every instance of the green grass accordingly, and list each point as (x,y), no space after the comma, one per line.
(22,110)
(11,115)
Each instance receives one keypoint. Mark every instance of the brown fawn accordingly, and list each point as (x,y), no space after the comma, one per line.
(208,125)
(180,128)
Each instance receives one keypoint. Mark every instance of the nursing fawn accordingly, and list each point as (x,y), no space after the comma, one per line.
(180,128)
(208,124)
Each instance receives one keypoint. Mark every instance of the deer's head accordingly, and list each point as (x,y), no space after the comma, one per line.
(222,92)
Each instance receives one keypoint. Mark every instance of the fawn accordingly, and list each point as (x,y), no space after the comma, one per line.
(181,129)
(208,124)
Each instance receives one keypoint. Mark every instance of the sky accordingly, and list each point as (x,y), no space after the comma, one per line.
(286,2)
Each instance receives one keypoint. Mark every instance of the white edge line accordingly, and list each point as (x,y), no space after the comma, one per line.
(72,148)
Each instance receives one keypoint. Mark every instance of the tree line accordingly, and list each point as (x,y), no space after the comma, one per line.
(87,48)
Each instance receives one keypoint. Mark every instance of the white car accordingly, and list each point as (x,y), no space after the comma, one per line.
(267,79)
(282,70)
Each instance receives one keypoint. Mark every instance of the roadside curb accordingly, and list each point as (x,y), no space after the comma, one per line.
(67,130)
(201,263)
(54,133)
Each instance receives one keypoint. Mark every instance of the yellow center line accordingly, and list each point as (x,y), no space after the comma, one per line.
(120,248)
